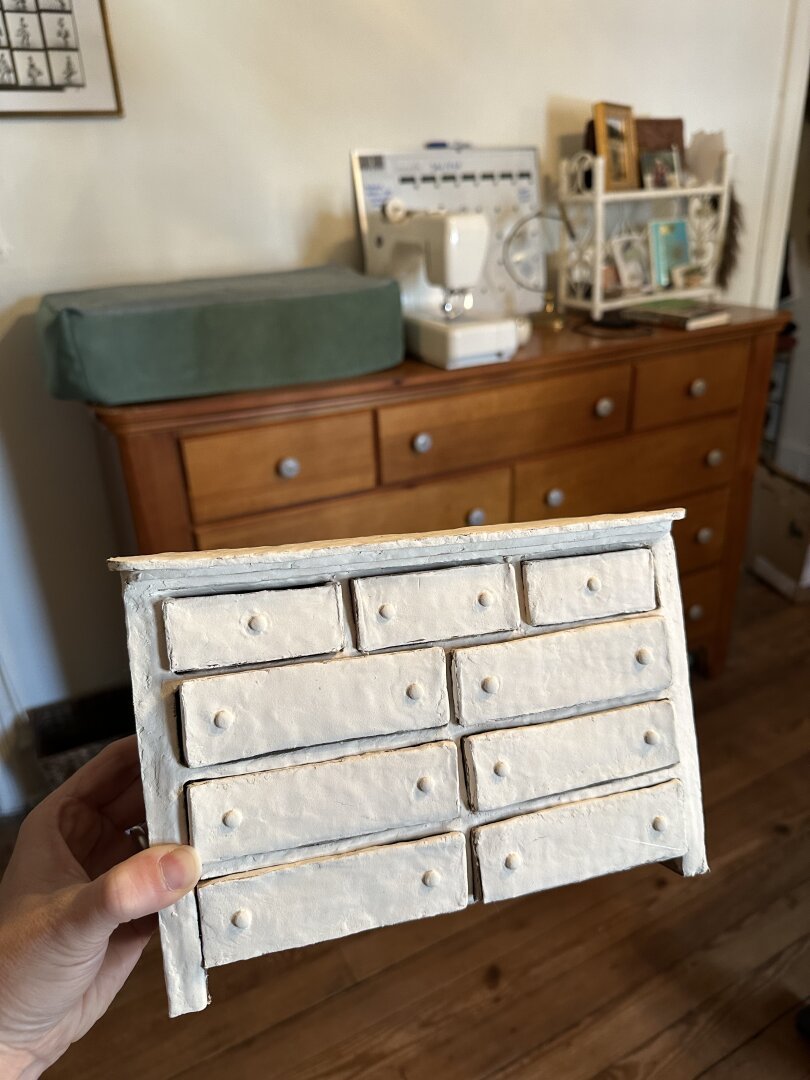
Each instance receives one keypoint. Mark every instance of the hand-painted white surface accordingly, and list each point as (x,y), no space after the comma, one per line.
(351,796)
(580,840)
(589,587)
(262,711)
(295,905)
(404,609)
(248,628)
(519,764)
(610,662)
(151,580)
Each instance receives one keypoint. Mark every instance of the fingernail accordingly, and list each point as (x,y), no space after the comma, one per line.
(180,868)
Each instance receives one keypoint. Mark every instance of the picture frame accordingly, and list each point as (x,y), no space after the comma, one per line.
(631,254)
(660,169)
(56,59)
(615,138)
(669,247)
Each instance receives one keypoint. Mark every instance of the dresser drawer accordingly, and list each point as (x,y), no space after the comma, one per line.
(605,663)
(289,906)
(422,438)
(701,535)
(479,498)
(689,384)
(589,587)
(701,593)
(331,800)
(435,605)
(227,717)
(580,840)
(509,767)
(256,468)
(641,470)
(254,627)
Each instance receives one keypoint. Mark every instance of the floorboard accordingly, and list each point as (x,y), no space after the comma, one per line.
(636,975)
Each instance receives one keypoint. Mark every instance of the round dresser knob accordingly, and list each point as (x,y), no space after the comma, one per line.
(232,819)
(698,387)
(555,497)
(501,768)
(704,535)
(386,611)
(485,599)
(593,584)
(695,612)
(714,458)
(431,878)
(421,443)
(512,861)
(288,468)
(242,919)
(659,823)
(258,623)
(414,691)
(490,684)
(644,656)
(223,719)
(425,784)
(477,516)
(604,406)
(652,738)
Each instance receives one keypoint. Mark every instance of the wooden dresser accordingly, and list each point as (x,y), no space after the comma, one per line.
(573,426)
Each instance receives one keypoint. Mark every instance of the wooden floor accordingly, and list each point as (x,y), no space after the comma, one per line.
(636,975)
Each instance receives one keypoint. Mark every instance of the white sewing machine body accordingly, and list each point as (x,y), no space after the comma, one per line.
(364,732)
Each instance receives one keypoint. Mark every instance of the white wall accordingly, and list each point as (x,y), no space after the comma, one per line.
(233,156)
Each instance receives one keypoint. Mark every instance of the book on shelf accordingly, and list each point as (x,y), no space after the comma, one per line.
(683,314)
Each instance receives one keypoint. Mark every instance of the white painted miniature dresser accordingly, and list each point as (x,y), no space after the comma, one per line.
(359,733)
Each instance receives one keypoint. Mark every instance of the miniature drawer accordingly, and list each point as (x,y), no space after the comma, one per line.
(289,906)
(250,628)
(580,840)
(701,535)
(422,438)
(479,498)
(603,663)
(249,469)
(434,605)
(689,384)
(642,470)
(589,586)
(509,767)
(227,717)
(701,593)
(330,800)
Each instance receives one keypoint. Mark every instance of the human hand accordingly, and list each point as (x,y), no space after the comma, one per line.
(77,908)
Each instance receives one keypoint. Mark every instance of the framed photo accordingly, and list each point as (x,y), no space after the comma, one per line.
(669,247)
(615,137)
(56,59)
(632,257)
(661,169)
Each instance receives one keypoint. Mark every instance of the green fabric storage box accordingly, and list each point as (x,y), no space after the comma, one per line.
(193,338)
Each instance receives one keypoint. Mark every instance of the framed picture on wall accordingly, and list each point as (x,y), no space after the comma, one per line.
(56,59)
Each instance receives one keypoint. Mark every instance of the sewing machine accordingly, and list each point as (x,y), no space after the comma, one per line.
(436,221)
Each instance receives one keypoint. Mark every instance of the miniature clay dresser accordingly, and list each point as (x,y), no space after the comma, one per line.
(360,733)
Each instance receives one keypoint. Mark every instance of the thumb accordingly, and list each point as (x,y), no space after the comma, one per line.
(141,885)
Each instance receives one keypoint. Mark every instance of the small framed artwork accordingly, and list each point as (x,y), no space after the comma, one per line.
(615,137)
(661,169)
(632,257)
(56,59)
(669,247)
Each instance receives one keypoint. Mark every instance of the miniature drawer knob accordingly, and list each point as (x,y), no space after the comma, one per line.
(431,878)
(512,861)
(644,656)
(490,684)
(659,823)
(714,458)
(223,719)
(425,784)
(386,611)
(695,612)
(485,599)
(477,516)
(415,691)
(258,623)
(605,406)
(555,497)
(704,535)
(232,819)
(288,468)
(652,738)
(593,584)
(242,919)
(698,387)
(421,443)
(501,768)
